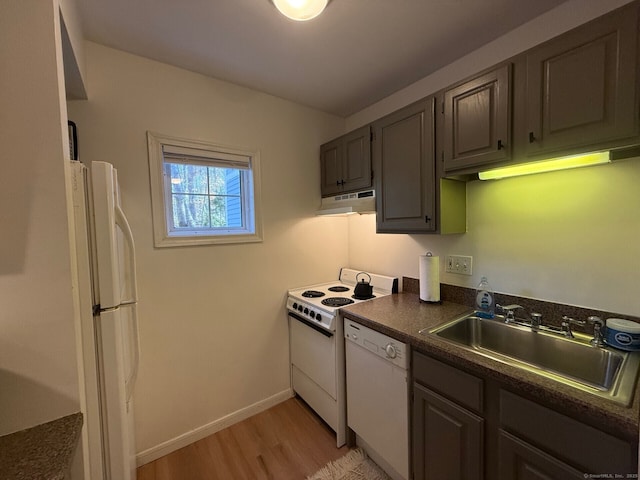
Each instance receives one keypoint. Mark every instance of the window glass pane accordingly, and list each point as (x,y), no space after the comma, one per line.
(218,211)
(206,193)
(234,211)
(224,181)
(188,178)
(190,211)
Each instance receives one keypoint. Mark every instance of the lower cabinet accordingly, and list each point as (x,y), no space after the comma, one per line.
(447,438)
(466,427)
(520,461)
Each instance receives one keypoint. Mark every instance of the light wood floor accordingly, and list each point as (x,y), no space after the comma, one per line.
(286,442)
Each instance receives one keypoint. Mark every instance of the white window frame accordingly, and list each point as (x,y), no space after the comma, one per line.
(201,152)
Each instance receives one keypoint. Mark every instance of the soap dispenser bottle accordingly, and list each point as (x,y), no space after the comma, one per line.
(485,305)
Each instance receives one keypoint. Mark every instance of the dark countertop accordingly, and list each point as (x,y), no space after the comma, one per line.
(43,452)
(402,316)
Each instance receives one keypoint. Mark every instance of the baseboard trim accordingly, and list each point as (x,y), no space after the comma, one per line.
(187,438)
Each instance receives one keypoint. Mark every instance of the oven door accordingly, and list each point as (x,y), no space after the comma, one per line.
(313,353)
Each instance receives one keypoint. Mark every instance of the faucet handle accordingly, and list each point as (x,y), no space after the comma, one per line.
(508,309)
(566,325)
(570,320)
(595,321)
(598,325)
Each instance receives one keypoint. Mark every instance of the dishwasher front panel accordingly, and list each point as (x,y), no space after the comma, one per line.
(377,404)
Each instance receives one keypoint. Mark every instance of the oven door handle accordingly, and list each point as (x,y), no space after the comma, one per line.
(321,330)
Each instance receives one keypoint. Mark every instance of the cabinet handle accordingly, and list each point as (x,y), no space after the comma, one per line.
(337,183)
(532,137)
(500,145)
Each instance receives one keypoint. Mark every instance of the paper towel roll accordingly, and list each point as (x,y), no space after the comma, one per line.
(429,278)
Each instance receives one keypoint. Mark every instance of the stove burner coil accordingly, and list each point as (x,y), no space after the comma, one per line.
(339,288)
(337,301)
(312,294)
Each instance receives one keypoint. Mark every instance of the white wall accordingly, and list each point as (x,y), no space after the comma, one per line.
(568,237)
(73,50)
(38,376)
(212,321)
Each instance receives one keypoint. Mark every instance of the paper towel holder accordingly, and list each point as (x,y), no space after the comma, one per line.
(430,297)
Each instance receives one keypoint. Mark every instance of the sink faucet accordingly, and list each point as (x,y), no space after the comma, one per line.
(598,324)
(566,325)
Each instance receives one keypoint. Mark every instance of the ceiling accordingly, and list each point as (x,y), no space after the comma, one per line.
(356,53)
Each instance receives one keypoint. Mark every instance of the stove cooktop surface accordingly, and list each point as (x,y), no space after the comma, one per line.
(320,303)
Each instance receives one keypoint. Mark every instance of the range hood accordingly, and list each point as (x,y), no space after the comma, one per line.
(346,203)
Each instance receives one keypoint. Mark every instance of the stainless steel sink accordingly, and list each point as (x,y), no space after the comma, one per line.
(603,371)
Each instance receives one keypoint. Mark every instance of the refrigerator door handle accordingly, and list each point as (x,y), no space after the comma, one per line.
(122,222)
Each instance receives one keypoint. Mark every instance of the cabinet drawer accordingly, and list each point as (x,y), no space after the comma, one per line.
(565,438)
(461,387)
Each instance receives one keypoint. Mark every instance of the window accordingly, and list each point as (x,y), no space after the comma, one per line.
(203,193)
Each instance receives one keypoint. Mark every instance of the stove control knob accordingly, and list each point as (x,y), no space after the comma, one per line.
(318,317)
(294,306)
(390,350)
(312,314)
(299,308)
(306,311)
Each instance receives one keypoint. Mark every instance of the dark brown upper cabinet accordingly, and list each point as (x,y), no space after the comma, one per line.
(581,87)
(477,121)
(403,162)
(345,163)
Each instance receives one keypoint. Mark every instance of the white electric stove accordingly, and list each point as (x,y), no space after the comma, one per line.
(316,341)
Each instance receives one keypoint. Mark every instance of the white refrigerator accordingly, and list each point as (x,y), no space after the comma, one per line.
(109,328)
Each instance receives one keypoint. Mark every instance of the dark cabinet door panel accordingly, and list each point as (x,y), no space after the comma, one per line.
(581,87)
(477,121)
(330,168)
(520,461)
(447,439)
(404,168)
(357,159)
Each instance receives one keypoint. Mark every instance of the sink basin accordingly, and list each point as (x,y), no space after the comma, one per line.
(605,372)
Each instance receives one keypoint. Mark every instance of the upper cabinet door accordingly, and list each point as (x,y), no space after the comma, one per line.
(581,87)
(477,121)
(331,168)
(403,159)
(357,159)
(345,163)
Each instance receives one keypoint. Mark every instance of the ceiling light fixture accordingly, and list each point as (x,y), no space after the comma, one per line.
(546,166)
(300,10)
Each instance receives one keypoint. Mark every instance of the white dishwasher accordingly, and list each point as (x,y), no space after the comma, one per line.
(377,396)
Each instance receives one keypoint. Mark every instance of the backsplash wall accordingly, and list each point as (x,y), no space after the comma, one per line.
(566,237)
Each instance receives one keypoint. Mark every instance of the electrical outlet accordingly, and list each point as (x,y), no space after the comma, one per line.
(460,264)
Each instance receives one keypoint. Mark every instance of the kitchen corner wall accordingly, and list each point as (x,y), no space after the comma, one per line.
(38,370)
(213,329)
(569,237)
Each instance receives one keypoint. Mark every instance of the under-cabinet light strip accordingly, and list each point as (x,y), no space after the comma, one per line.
(563,163)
